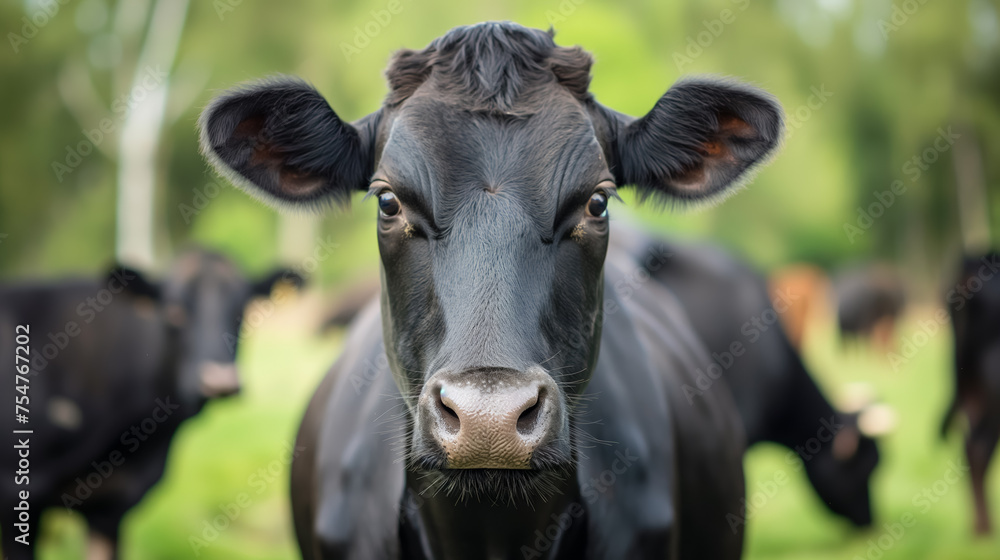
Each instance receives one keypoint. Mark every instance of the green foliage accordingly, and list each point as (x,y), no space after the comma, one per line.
(893,85)
(280,368)
(892,88)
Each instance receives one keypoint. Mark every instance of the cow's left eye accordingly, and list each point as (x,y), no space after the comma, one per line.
(388,205)
(598,205)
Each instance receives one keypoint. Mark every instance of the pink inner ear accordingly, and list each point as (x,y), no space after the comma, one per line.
(298,183)
(730,125)
(691,181)
(712,149)
(250,127)
(714,152)
(265,154)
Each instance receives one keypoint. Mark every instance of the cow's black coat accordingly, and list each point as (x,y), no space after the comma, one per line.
(729,307)
(974,303)
(134,363)
(870,299)
(489,148)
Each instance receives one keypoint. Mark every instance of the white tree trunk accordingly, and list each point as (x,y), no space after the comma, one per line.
(973,204)
(141,131)
(297,236)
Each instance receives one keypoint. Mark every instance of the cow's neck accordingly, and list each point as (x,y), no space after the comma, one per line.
(808,415)
(554,528)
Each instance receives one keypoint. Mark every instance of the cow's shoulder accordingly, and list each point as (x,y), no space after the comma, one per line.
(348,480)
(652,347)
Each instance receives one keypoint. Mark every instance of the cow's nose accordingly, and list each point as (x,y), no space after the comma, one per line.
(491,418)
(217,379)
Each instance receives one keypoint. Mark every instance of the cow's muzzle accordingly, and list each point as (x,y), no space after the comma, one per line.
(218,379)
(491,418)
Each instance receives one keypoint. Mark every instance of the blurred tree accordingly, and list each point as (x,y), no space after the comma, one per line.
(866,84)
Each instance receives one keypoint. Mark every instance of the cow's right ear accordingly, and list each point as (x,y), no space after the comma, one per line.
(132,282)
(278,139)
(702,138)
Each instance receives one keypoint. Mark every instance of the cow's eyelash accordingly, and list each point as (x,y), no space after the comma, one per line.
(375,188)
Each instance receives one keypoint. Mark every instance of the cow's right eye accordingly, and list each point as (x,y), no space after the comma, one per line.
(388,205)
(597,206)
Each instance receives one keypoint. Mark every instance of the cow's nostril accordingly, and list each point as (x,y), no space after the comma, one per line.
(526,422)
(529,416)
(449,418)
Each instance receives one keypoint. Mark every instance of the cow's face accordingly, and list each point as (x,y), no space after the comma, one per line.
(202,301)
(492,233)
(841,472)
(492,168)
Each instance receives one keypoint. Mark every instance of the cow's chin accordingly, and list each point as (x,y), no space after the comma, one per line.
(547,477)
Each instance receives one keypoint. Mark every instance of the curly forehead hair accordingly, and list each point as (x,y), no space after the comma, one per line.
(493,64)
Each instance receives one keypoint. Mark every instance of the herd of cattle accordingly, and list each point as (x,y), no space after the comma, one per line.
(548,384)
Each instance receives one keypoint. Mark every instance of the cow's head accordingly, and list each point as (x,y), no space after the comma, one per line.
(492,167)
(202,300)
(841,471)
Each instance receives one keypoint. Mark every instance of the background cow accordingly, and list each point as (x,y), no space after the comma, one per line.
(974,303)
(116,366)
(778,400)
(870,299)
(525,395)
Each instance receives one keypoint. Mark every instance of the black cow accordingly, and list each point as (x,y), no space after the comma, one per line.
(870,299)
(116,365)
(777,398)
(503,401)
(730,308)
(974,303)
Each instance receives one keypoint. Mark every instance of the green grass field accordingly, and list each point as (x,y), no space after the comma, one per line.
(232,457)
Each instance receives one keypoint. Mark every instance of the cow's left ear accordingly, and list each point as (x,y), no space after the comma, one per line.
(278,139)
(264,286)
(699,140)
(133,282)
